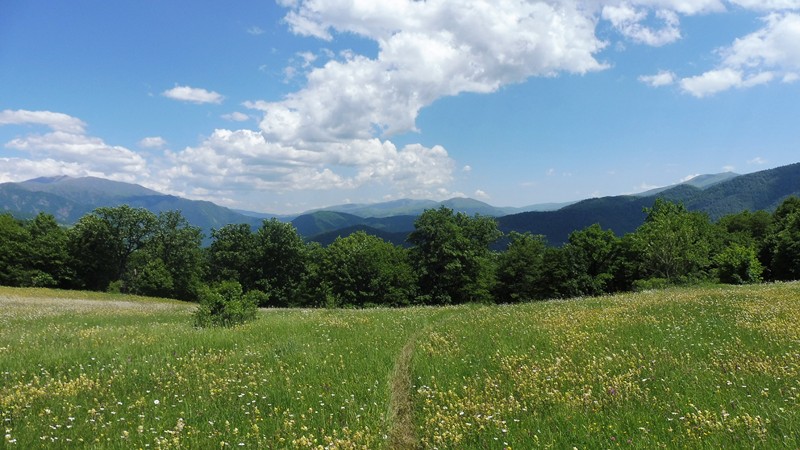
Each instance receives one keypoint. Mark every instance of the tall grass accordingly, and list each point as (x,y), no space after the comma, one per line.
(696,368)
(706,367)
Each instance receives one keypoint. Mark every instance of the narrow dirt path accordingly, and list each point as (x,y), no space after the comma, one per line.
(402,435)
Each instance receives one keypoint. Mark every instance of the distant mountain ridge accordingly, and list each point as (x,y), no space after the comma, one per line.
(68,199)
(763,190)
(412,207)
(699,181)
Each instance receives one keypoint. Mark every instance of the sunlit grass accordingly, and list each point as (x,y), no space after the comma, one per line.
(709,367)
(712,367)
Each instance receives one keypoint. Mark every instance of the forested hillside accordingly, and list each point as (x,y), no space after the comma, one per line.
(451,257)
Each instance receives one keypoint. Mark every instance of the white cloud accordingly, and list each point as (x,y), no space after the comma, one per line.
(66,150)
(758,58)
(153,142)
(249,160)
(712,82)
(662,78)
(78,148)
(236,116)
(193,95)
(54,120)
(427,50)
(757,160)
(629,21)
(481,195)
(768,5)
(728,168)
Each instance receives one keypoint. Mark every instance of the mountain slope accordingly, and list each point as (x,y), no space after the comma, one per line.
(26,204)
(409,207)
(623,214)
(68,199)
(700,181)
(87,190)
(755,191)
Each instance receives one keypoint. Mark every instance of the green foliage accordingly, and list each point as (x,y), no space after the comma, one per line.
(451,254)
(363,270)
(175,258)
(14,240)
(279,260)
(519,268)
(224,305)
(150,277)
(102,243)
(47,252)
(592,252)
(673,243)
(130,250)
(738,264)
(782,246)
(231,255)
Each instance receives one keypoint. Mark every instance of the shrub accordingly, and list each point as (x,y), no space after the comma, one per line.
(224,305)
(738,264)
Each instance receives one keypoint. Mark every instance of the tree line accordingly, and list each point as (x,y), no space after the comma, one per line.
(451,258)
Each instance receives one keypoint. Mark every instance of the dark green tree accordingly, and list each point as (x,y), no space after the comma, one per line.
(14,248)
(48,257)
(363,270)
(92,255)
(673,243)
(231,255)
(171,262)
(738,264)
(103,242)
(279,262)
(452,256)
(591,253)
(783,243)
(519,268)
(560,275)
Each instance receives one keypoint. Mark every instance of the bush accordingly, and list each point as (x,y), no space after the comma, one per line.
(224,305)
(738,264)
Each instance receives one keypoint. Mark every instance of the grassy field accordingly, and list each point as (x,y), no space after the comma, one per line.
(687,368)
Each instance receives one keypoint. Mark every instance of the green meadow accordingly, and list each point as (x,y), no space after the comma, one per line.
(709,367)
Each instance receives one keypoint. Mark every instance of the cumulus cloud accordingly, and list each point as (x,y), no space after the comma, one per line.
(247,158)
(333,133)
(757,58)
(153,142)
(193,95)
(427,50)
(662,78)
(481,195)
(629,21)
(66,150)
(236,116)
(54,120)
(768,5)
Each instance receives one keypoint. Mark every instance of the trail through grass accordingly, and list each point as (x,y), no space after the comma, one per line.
(688,368)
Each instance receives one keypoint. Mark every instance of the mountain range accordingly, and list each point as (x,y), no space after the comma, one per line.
(68,199)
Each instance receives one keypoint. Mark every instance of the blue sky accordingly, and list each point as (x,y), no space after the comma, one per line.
(290,105)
